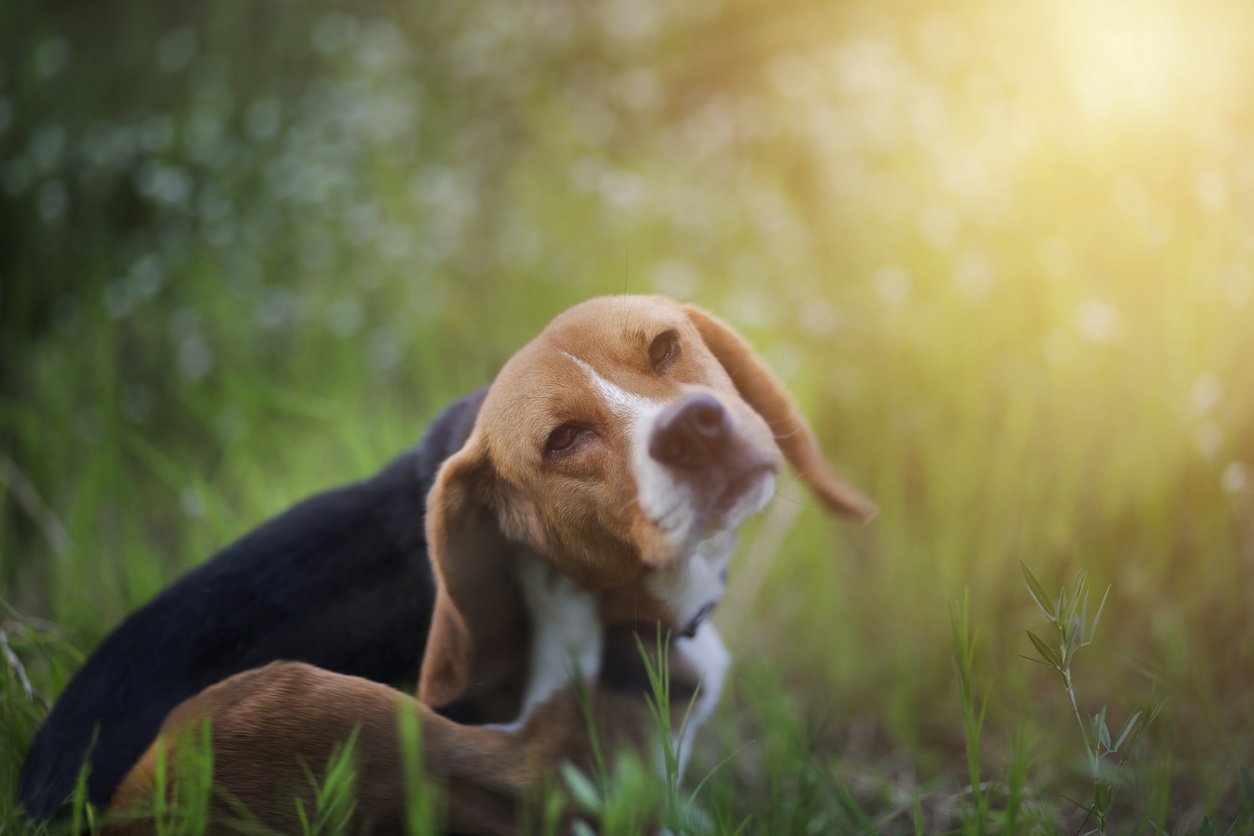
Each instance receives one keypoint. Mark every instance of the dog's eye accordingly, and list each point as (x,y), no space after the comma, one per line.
(663,349)
(564,439)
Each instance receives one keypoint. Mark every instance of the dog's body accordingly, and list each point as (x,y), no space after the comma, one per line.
(600,490)
(341,581)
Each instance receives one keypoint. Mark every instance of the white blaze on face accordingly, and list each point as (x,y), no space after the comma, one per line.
(663,499)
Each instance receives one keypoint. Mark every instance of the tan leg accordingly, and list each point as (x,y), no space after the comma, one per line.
(266,723)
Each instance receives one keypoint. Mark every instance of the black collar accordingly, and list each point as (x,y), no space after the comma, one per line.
(690,629)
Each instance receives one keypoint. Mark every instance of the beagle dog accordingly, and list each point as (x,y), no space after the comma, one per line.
(599,489)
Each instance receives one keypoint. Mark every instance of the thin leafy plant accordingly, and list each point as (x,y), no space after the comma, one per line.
(973,721)
(1068,615)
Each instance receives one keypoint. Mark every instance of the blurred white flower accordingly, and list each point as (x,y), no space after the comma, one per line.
(52,200)
(118,299)
(622,189)
(1238,284)
(1055,258)
(156,132)
(676,278)
(385,349)
(939,226)
(869,66)
(262,118)
(892,283)
(275,308)
(213,204)
(818,318)
(793,75)
(638,88)
(585,174)
(395,241)
(1204,395)
(381,46)
(192,502)
(164,184)
(752,306)
(344,316)
(46,146)
(231,423)
(51,56)
(176,49)
(1097,321)
(1211,188)
(109,146)
(202,135)
(195,358)
(362,223)
(1235,477)
(334,32)
(629,20)
(1130,195)
(974,274)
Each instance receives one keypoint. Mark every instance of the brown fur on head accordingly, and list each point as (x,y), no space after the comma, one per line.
(629,436)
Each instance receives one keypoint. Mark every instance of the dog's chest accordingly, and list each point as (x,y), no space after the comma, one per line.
(567,638)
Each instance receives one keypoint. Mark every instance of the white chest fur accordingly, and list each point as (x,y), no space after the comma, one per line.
(567,636)
(707,654)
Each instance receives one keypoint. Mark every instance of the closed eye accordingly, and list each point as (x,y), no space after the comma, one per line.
(566,438)
(663,350)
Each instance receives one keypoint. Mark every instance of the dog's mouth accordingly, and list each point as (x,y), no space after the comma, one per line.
(728,501)
(739,486)
(718,499)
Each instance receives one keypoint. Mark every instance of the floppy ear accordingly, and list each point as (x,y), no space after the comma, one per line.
(763,391)
(478,613)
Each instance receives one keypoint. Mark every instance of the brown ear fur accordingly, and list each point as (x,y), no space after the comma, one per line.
(767,395)
(473,645)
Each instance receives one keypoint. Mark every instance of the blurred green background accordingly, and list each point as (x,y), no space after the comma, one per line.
(1003,254)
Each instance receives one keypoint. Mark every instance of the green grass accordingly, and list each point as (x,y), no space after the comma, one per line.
(251,249)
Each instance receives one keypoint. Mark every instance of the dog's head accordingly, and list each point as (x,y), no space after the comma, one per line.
(630,438)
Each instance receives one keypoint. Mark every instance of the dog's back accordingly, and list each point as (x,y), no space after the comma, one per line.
(341,580)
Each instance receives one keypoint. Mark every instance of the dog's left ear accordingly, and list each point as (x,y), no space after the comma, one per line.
(763,391)
(478,613)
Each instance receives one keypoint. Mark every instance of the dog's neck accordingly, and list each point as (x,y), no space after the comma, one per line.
(569,624)
(680,594)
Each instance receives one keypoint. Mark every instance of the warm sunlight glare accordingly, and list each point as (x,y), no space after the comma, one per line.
(1125,57)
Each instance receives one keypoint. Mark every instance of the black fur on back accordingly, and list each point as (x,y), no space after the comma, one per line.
(341,581)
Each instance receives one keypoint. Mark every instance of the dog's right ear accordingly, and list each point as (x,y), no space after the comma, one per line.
(477,608)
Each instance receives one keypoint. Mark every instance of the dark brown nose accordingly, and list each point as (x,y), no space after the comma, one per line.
(691,433)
